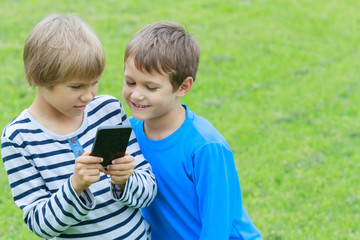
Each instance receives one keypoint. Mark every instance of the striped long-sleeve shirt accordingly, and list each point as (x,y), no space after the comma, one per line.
(39,166)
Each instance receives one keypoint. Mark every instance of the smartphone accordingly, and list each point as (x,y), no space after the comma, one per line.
(111,142)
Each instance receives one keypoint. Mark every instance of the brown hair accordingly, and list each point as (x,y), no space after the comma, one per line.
(165,47)
(60,48)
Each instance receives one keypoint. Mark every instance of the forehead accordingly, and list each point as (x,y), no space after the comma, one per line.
(134,73)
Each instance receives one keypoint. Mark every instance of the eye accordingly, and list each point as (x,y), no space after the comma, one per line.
(151,88)
(129,83)
(75,86)
(95,83)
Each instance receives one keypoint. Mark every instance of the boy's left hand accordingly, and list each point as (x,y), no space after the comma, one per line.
(121,169)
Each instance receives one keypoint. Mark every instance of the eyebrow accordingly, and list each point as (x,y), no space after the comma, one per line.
(145,82)
(78,82)
(129,77)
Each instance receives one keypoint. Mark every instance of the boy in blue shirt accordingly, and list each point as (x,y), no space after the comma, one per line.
(62,190)
(199,194)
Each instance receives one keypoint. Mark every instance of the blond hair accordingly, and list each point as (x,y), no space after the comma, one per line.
(165,47)
(60,48)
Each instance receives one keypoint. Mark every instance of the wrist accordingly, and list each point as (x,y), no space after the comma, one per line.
(78,190)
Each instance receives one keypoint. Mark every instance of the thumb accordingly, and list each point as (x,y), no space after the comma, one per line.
(86,154)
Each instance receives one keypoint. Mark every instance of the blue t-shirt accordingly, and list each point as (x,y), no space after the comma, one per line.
(199,194)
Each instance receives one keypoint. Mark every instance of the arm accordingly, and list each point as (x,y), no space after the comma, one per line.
(215,182)
(46,213)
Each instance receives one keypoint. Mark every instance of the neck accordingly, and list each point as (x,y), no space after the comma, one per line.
(165,125)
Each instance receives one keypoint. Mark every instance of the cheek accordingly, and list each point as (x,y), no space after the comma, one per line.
(125,92)
(94,90)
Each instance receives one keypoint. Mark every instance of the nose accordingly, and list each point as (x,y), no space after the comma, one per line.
(88,94)
(137,94)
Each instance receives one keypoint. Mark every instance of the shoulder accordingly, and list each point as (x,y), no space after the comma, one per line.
(21,124)
(203,127)
(205,132)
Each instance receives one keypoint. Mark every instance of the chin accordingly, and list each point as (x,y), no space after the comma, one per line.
(138,117)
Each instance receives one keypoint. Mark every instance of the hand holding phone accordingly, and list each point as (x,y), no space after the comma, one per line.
(86,172)
(121,169)
(111,142)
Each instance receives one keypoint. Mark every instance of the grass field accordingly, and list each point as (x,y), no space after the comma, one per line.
(279,79)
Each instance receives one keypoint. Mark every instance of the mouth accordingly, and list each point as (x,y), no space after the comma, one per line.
(139,106)
(81,107)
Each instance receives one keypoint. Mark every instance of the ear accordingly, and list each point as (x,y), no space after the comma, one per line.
(185,87)
(33,82)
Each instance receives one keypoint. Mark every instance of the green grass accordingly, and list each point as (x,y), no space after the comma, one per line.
(279,79)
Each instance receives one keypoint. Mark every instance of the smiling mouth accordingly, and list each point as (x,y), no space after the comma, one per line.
(139,106)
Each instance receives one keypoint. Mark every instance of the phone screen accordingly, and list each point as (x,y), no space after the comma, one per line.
(111,142)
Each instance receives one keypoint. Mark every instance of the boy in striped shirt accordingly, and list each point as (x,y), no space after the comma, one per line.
(63,191)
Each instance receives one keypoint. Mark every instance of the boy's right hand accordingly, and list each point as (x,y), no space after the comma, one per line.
(87,171)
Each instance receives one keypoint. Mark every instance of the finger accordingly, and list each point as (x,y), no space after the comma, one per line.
(84,179)
(125,159)
(88,159)
(127,172)
(93,172)
(90,179)
(86,166)
(122,166)
(119,179)
(86,171)
(86,154)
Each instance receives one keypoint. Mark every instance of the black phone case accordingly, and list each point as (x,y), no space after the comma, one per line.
(111,142)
